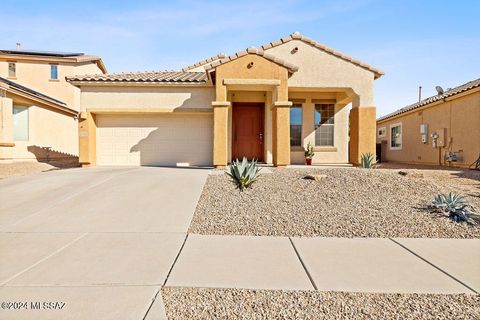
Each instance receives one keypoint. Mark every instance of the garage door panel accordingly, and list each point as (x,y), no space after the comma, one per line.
(154,139)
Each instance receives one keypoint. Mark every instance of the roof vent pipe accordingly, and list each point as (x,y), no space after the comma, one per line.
(419,93)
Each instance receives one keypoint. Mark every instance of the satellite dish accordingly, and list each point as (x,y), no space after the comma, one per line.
(439,90)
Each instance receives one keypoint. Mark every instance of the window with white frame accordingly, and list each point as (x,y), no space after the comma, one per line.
(20,123)
(296,125)
(12,69)
(382,132)
(53,72)
(324,125)
(396,136)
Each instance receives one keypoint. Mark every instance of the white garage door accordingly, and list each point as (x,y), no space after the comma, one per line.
(154,139)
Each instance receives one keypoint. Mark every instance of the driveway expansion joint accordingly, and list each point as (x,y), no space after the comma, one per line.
(303,265)
(433,265)
(151,304)
(174,261)
(44,258)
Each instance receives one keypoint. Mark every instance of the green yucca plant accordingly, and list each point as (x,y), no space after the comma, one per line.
(455,207)
(243,173)
(367,160)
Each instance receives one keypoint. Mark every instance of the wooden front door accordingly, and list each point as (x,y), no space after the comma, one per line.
(247,131)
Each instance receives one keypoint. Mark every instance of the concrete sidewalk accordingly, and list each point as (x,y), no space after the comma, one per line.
(329,264)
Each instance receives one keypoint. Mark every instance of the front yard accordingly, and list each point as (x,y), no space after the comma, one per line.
(346,202)
(209,303)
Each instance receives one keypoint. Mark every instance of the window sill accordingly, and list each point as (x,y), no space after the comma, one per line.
(315,149)
(54,80)
(11,78)
(325,149)
(296,148)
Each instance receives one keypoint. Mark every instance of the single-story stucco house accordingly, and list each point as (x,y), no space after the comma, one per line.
(440,130)
(38,107)
(265,103)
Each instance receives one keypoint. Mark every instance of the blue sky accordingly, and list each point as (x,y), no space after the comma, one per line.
(416,43)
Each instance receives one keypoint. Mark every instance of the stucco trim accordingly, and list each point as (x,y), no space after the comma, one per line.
(325,149)
(149,110)
(280,104)
(221,104)
(7,144)
(260,82)
(259,52)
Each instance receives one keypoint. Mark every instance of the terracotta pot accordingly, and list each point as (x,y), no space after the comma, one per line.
(308,161)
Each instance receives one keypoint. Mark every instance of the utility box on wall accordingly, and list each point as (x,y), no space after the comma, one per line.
(441,137)
(424,132)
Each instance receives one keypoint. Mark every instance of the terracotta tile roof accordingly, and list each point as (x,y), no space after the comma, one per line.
(298,36)
(291,67)
(146,76)
(204,62)
(450,92)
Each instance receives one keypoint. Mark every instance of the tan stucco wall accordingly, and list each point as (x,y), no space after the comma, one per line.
(319,69)
(36,75)
(131,98)
(461,119)
(47,128)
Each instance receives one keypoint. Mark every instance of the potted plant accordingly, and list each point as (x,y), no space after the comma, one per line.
(309,154)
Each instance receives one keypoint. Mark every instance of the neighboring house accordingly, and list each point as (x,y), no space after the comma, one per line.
(265,103)
(39,108)
(440,130)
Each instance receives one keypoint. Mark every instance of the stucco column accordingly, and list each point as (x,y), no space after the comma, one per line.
(87,133)
(220,132)
(281,133)
(362,132)
(6,129)
(308,122)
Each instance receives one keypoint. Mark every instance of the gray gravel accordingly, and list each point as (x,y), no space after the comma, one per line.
(348,202)
(203,303)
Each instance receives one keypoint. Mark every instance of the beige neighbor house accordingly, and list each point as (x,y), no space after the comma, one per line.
(38,107)
(440,130)
(265,103)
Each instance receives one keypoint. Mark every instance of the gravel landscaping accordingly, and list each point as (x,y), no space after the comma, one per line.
(204,303)
(346,202)
(23,168)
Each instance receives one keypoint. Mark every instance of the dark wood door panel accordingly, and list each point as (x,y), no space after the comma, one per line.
(247,137)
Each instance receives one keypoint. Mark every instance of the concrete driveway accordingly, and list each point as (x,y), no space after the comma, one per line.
(97,243)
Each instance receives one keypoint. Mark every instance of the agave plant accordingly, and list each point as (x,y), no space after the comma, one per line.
(455,207)
(243,173)
(367,160)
